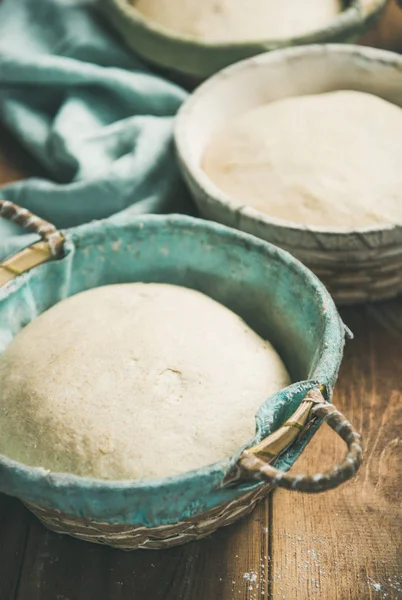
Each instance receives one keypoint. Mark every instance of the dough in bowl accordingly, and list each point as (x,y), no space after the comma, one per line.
(133,381)
(332,159)
(240,20)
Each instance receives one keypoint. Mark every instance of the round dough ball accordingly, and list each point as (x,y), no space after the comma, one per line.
(133,381)
(330,159)
(240,20)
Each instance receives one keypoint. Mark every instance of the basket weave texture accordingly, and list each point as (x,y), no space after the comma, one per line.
(133,537)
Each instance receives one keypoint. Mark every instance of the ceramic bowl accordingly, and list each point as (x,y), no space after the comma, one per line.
(197,59)
(356,265)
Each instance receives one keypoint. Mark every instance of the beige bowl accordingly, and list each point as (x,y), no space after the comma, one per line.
(356,265)
(200,59)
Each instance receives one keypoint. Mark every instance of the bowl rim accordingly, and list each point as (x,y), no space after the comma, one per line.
(334,332)
(213,192)
(350,17)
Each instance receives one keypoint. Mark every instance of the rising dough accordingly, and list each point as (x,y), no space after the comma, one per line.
(332,159)
(133,381)
(240,20)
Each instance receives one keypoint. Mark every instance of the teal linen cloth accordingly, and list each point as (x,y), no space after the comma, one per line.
(275,294)
(91,113)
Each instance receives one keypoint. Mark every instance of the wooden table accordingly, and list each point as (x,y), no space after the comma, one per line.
(341,545)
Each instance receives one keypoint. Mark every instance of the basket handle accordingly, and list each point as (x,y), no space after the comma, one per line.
(50,247)
(29,221)
(251,463)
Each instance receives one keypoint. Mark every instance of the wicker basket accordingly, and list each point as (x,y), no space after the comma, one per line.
(356,265)
(263,284)
(198,60)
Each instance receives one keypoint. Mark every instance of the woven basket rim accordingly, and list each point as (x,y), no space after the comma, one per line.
(350,17)
(213,194)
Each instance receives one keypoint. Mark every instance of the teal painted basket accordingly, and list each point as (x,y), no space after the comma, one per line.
(272,291)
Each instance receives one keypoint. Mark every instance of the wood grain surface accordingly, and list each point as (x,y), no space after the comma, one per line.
(341,545)
(347,543)
(387,33)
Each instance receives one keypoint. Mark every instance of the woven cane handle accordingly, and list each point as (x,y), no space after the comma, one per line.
(255,467)
(29,221)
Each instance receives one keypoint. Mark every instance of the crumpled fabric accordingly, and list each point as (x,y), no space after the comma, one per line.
(92,114)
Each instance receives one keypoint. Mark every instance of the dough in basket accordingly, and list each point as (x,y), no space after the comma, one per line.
(331,159)
(132,381)
(240,20)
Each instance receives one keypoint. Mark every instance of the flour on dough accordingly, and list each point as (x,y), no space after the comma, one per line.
(331,159)
(240,20)
(133,381)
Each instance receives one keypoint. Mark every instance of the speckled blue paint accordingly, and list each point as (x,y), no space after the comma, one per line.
(271,290)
